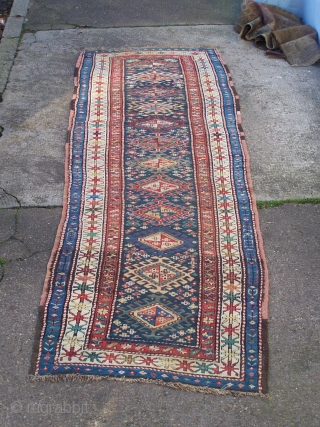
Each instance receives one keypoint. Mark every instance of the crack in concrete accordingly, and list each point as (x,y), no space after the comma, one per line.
(29,256)
(11,195)
(12,237)
(59,14)
(88,27)
(45,6)
(4,262)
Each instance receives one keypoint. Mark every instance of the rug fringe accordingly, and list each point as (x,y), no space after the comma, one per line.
(177,386)
(36,342)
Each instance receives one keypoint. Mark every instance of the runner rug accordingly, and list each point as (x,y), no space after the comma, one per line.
(158,272)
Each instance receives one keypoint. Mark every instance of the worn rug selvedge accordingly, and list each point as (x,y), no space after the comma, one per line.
(158,271)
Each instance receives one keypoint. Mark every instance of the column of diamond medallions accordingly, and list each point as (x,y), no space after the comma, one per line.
(158,295)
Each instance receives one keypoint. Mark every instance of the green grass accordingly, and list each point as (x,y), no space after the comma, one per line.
(275,203)
(2,264)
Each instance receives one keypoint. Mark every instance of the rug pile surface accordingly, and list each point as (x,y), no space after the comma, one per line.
(158,271)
